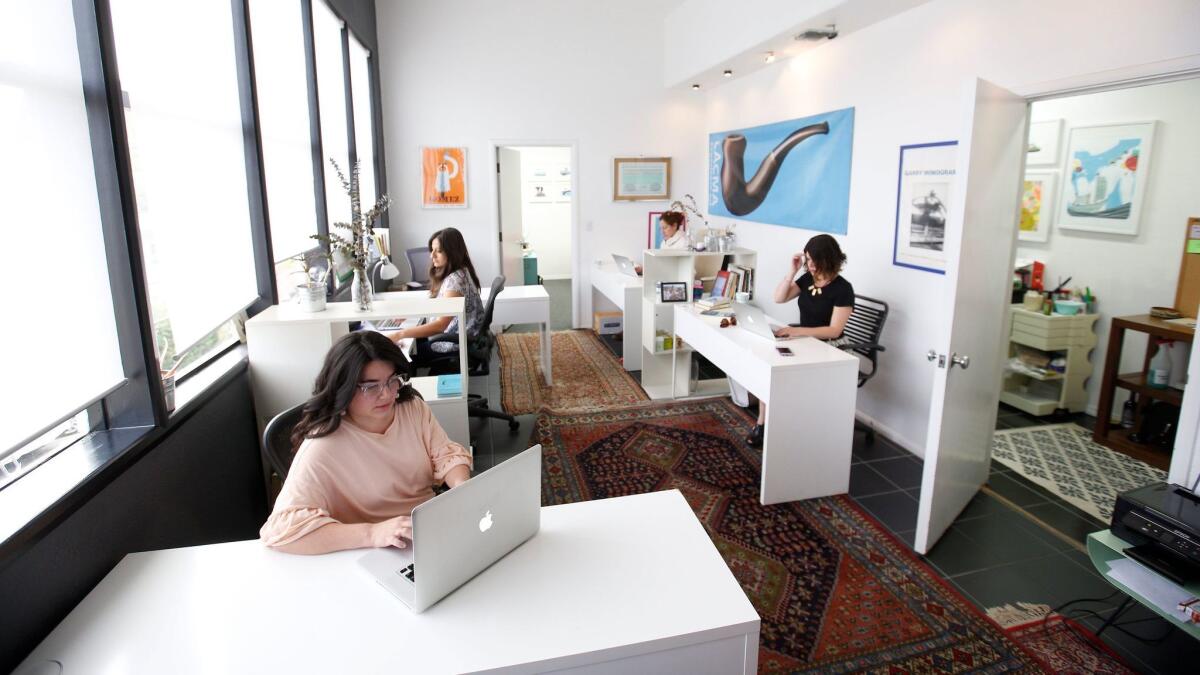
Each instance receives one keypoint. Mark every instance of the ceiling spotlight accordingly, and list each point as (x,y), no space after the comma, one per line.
(728,73)
(768,57)
(696,87)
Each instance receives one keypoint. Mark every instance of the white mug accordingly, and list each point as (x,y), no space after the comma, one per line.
(742,296)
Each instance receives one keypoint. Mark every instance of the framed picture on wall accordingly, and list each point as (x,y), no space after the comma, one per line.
(1037,205)
(443,178)
(924,200)
(1104,183)
(1044,143)
(641,178)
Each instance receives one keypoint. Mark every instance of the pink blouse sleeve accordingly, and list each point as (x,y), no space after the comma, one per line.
(444,454)
(302,506)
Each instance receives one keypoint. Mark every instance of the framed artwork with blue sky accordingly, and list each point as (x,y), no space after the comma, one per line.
(794,173)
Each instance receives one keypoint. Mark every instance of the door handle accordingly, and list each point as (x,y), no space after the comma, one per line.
(960,361)
(932,355)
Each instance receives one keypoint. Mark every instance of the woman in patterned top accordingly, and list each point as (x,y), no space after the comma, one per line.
(451,275)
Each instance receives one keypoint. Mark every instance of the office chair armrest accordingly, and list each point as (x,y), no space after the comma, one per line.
(871,346)
(443,337)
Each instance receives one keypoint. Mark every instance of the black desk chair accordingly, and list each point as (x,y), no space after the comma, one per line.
(277,442)
(479,356)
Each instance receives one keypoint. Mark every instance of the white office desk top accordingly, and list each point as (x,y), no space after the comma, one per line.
(415,304)
(808,352)
(530,293)
(611,281)
(618,576)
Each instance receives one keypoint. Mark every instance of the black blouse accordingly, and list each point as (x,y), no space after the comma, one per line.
(816,311)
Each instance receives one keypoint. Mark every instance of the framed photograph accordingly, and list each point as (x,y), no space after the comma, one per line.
(539,191)
(562,191)
(641,178)
(674,291)
(1105,179)
(924,200)
(1037,205)
(1044,143)
(443,178)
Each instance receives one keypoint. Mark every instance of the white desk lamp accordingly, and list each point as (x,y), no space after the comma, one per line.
(388,271)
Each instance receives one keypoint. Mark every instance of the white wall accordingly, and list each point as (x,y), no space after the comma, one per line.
(1129,274)
(546,222)
(904,77)
(472,72)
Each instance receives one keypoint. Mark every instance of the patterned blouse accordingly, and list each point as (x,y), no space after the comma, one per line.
(461,282)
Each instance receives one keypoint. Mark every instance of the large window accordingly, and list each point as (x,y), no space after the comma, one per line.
(184,124)
(59,350)
(364,137)
(277,31)
(331,94)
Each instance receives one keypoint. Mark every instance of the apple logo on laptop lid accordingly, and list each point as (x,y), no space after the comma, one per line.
(485,523)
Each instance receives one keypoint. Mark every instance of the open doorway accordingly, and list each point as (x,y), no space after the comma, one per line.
(536,195)
(1108,193)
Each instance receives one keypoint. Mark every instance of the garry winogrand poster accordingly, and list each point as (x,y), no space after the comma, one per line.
(794,173)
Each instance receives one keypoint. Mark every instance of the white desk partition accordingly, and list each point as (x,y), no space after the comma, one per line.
(625,292)
(286,348)
(516,304)
(623,585)
(810,403)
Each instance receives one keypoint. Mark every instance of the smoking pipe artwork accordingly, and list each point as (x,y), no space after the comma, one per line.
(742,197)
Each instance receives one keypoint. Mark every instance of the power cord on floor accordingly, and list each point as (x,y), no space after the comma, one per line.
(1109,621)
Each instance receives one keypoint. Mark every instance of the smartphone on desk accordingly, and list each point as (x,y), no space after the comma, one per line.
(784,351)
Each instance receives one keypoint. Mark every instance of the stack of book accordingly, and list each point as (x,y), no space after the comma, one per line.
(732,279)
(713,302)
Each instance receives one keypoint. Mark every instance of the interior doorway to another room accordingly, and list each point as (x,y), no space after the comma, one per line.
(1107,196)
(536,207)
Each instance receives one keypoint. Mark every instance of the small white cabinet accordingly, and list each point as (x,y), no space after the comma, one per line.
(1071,337)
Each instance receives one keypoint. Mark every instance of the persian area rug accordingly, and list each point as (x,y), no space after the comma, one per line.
(836,593)
(1061,644)
(587,377)
(1065,460)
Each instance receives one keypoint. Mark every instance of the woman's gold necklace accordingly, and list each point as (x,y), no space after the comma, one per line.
(814,289)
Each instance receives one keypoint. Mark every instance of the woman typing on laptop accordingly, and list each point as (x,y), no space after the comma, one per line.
(825,300)
(368,450)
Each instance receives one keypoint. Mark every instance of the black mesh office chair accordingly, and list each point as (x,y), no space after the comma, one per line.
(479,356)
(861,337)
(277,442)
(418,262)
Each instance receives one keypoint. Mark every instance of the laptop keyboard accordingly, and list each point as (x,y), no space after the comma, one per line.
(409,573)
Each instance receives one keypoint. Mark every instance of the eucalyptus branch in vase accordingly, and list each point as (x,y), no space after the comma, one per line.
(352,247)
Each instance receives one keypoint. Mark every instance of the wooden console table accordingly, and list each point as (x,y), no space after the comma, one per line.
(1112,436)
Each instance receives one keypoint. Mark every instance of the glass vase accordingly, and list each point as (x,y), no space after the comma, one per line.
(360,291)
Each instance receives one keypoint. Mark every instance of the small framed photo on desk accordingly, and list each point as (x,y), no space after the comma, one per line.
(674,291)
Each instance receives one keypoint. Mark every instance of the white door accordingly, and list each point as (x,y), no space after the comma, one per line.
(508,168)
(980,237)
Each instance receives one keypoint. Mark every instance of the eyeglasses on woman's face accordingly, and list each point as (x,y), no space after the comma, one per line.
(375,389)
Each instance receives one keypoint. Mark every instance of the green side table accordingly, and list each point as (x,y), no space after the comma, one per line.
(1104,547)
(531,271)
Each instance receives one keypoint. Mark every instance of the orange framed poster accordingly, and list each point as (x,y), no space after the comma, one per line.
(443,178)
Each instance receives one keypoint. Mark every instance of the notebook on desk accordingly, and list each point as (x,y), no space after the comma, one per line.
(461,532)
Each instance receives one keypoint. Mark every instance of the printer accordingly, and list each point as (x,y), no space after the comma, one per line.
(1162,522)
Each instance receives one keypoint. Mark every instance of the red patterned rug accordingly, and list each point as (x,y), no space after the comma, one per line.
(1062,644)
(587,377)
(835,591)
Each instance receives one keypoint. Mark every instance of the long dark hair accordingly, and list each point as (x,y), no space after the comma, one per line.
(457,258)
(826,255)
(337,383)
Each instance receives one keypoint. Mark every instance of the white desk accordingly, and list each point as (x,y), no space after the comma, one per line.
(515,304)
(286,348)
(625,292)
(625,585)
(810,403)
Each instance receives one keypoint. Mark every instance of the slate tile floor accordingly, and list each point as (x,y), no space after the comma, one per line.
(1014,542)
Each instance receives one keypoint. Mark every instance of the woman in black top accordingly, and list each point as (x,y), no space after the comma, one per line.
(824,297)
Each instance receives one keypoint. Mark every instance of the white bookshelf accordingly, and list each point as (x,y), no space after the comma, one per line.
(667,265)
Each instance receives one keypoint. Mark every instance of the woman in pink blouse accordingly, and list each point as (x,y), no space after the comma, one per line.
(368,450)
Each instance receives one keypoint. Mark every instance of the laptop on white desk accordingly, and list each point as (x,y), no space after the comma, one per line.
(625,265)
(756,321)
(461,532)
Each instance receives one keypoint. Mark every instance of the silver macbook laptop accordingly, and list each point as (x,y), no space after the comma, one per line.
(461,532)
(625,264)
(754,320)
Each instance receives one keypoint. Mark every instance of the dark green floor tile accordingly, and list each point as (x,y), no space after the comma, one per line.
(902,471)
(880,449)
(1005,486)
(982,505)
(1001,586)
(1065,522)
(896,510)
(998,537)
(955,554)
(865,481)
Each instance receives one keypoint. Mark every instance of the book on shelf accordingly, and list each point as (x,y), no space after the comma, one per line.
(713,302)
(720,284)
